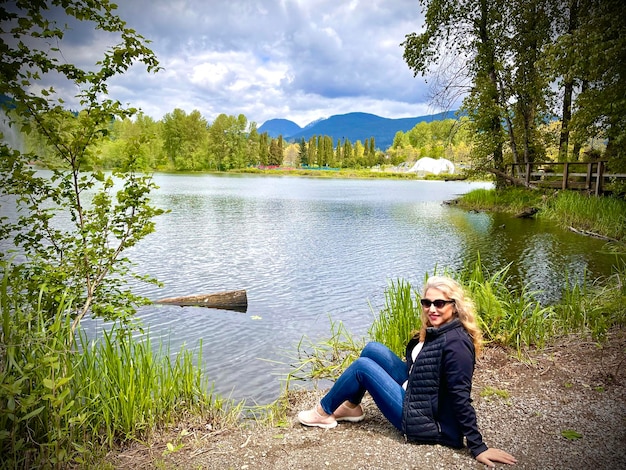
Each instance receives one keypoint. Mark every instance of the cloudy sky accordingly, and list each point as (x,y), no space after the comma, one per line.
(293,59)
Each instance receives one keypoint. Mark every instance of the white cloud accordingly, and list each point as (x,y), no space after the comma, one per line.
(298,60)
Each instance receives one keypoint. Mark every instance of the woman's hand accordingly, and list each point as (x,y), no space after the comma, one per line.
(492,455)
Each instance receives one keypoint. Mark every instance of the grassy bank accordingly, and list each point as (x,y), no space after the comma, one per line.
(68,403)
(363,173)
(600,216)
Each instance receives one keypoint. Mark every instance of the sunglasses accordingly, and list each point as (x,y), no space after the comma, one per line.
(439,303)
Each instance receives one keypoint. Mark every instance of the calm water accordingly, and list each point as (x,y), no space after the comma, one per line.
(311,250)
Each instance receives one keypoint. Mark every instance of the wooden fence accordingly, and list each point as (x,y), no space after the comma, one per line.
(583,176)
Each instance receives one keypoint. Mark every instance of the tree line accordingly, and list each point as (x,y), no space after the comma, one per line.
(188,142)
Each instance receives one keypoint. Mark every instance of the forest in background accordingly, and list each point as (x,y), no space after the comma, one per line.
(188,142)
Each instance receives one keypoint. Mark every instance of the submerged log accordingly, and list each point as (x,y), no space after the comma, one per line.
(229,300)
(592,234)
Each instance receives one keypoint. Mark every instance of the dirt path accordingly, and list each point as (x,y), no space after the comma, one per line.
(564,410)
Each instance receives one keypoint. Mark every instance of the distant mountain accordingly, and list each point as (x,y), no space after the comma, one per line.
(351,126)
(276,127)
(313,123)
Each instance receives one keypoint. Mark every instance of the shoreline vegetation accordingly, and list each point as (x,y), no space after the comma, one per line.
(89,423)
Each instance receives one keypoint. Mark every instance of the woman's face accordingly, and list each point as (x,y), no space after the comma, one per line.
(438,316)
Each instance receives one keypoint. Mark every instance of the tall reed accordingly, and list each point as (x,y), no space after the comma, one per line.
(138,389)
(511,317)
(62,405)
(325,359)
(602,215)
(399,318)
(507,200)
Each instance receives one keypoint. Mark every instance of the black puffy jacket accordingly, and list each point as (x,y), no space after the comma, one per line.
(437,405)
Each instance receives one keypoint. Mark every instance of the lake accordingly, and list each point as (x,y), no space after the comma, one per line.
(308,250)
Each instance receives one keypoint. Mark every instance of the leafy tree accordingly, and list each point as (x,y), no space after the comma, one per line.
(571,19)
(476,32)
(141,137)
(264,148)
(185,139)
(68,227)
(303,155)
(252,146)
(532,24)
(348,154)
(312,151)
(420,136)
(338,156)
(173,131)
(322,155)
(511,55)
(327,151)
(276,152)
(227,142)
(594,55)
(400,140)
(358,154)
(103,215)
(235,134)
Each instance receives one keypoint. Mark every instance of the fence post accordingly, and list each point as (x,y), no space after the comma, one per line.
(565,175)
(589,175)
(599,177)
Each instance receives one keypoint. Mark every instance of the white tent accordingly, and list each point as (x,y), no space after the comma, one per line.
(434,166)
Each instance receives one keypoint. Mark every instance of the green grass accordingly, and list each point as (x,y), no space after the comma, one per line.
(512,200)
(604,216)
(399,317)
(63,405)
(326,359)
(490,392)
(139,390)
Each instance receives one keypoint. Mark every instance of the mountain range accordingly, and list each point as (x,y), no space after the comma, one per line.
(351,126)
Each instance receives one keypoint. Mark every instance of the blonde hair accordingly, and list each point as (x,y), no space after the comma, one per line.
(464,307)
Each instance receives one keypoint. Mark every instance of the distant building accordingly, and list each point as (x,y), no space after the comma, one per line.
(433,166)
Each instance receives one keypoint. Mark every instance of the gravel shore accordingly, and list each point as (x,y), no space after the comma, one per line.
(561,408)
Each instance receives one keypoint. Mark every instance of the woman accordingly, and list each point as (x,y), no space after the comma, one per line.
(427,397)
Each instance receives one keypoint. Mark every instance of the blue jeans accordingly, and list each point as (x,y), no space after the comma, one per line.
(377,371)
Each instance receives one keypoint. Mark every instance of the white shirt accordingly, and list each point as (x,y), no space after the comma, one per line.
(416,350)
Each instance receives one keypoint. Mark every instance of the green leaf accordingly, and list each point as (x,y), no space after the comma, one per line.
(32,414)
(63,381)
(571,435)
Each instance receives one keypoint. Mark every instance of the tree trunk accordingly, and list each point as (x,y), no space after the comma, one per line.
(568,90)
(578,142)
(489,58)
